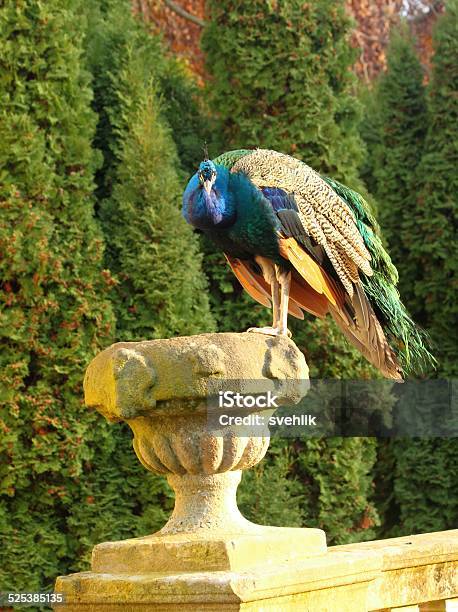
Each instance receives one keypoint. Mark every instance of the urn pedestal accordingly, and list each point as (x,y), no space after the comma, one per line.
(207,551)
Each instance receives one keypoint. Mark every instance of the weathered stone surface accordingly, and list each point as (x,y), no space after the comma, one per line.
(129,378)
(180,444)
(324,583)
(218,552)
(415,569)
(354,578)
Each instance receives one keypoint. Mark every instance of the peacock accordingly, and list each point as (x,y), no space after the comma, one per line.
(298,241)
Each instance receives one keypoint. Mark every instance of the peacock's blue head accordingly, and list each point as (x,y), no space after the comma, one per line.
(207,200)
(207,175)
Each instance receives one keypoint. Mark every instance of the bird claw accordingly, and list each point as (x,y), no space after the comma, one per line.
(270,331)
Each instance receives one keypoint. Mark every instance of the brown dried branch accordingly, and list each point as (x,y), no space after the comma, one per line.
(181,11)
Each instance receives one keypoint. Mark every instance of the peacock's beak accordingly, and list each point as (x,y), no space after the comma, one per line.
(208,184)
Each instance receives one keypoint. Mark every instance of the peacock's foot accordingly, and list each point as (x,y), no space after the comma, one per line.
(270,331)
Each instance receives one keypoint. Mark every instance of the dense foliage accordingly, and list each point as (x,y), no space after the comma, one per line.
(430,235)
(55,314)
(413,140)
(281,80)
(433,226)
(112,35)
(396,149)
(161,290)
(68,478)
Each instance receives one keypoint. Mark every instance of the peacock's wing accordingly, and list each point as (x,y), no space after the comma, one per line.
(325,217)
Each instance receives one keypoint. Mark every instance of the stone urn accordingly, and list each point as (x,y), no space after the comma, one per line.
(165,390)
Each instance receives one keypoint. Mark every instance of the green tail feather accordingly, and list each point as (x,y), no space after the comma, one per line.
(408,341)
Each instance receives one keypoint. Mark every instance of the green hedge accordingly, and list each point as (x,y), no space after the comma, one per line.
(426,480)
(412,135)
(160,290)
(432,229)
(55,313)
(68,478)
(400,109)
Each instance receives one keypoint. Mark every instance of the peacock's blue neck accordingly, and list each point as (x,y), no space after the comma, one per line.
(212,210)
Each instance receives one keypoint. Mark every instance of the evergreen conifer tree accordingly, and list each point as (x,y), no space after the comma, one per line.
(54,310)
(402,122)
(111,30)
(426,470)
(430,234)
(161,289)
(68,479)
(281,79)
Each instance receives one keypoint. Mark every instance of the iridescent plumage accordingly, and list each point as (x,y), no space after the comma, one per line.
(298,241)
